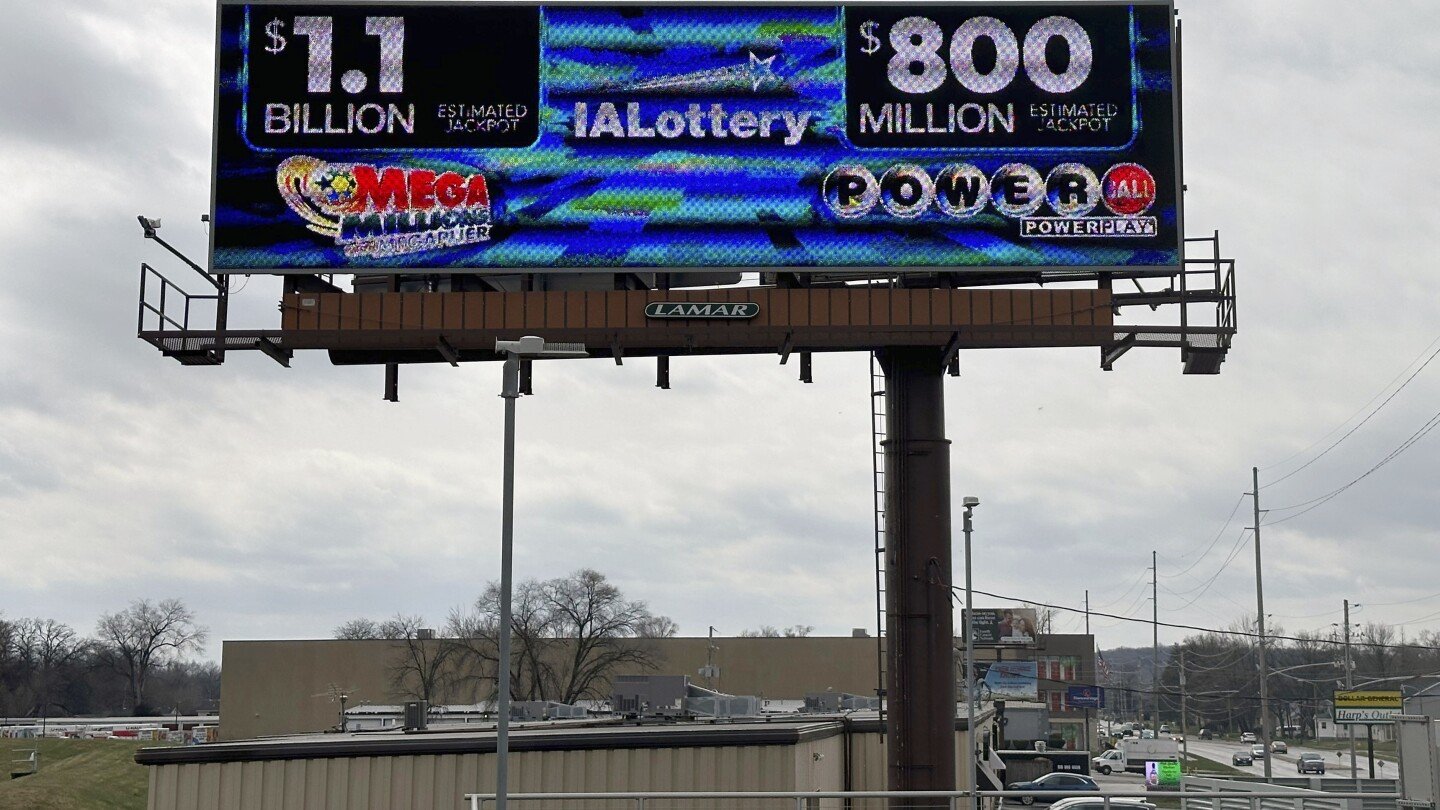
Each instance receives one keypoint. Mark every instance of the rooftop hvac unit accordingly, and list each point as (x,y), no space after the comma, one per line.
(830,702)
(417,715)
(722,706)
(649,695)
(675,696)
(532,710)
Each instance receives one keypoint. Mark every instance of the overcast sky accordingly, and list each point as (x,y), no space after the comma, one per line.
(279,503)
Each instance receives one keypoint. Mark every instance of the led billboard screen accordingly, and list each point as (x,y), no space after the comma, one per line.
(416,136)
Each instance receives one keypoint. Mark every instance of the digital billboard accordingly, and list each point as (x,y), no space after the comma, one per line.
(403,137)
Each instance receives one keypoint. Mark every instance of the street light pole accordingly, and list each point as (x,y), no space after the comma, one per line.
(970,502)
(526,348)
(510,391)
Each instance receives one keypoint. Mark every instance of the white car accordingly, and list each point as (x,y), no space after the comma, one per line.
(1247,737)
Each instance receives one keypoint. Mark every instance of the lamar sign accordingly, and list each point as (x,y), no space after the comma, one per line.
(683,309)
(1367,707)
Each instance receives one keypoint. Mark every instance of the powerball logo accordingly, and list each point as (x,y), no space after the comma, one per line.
(376,212)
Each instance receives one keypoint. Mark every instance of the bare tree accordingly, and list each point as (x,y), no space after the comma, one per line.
(359,630)
(657,627)
(9,670)
(569,635)
(1044,617)
(770,631)
(144,635)
(1373,650)
(421,668)
(46,649)
(600,625)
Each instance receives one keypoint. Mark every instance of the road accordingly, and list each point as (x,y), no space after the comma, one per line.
(1284,764)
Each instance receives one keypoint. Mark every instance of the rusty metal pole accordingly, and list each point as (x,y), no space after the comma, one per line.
(920,638)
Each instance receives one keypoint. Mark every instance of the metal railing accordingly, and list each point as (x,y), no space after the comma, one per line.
(167,302)
(1271,799)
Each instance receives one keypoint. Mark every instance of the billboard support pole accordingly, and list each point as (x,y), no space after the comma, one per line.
(920,655)
(1370,747)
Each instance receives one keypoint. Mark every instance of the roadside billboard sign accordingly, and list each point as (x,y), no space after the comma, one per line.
(1007,680)
(1004,627)
(1366,707)
(1085,697)
(388,137)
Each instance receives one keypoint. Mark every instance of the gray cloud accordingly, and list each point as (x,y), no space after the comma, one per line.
(279,503)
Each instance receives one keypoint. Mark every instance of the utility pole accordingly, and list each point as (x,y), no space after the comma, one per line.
(1184,710)
(1260,619)
(710,671)
(1349,684)
(1155,650)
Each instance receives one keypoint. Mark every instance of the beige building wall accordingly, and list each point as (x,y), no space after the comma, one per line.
(402,781)
(283,687)
(442,781)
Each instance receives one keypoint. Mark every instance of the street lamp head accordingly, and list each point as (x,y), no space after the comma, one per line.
(149,225)
(969,501)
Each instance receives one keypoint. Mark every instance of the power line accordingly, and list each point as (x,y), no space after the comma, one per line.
(1201,590)
(1316,503)
(1401,602)
(1218,534)
(1361,423)
(1139,581)
(1357,413)
(1213,630)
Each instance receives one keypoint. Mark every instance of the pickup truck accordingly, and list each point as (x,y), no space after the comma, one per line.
(1131,755)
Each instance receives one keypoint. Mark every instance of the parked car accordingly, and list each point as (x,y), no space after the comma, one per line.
(1242,758)
(1279,747)
(1054,782)
(1310,762)
(1247,737)
(1257,751)
(1087,803)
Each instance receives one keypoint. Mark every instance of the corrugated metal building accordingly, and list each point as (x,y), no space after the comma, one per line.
(437,768)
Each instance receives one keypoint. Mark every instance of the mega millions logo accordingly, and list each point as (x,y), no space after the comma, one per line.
(381,211)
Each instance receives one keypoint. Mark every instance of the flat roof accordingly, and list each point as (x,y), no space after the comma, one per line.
(600,733)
